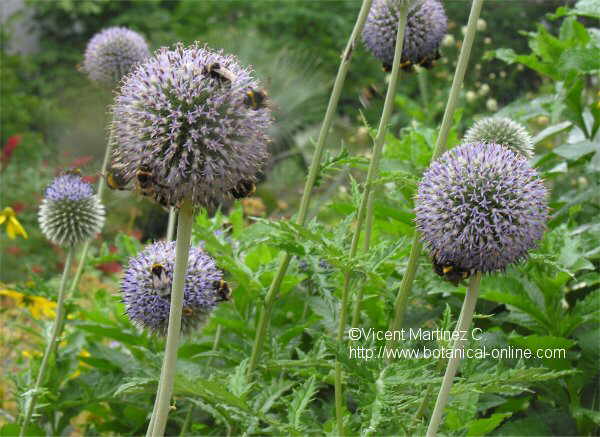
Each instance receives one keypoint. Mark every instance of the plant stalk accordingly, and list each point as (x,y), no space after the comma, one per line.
(388,105)
(184,234)
(54,337)
(467,311)
(171,223)
(440,146)
(100,193)
(265,311)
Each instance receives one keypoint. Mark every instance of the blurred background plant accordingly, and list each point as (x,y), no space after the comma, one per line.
(534,62)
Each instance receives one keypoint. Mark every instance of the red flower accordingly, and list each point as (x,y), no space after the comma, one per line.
(13,250)
(18,207)
(109,267)
(10,146)
(81,161)
(90,179)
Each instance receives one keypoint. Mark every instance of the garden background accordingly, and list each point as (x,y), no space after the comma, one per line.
(536,62)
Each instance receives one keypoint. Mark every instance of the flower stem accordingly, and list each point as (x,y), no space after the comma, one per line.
(184,234)
(467,311)
(171,224)
(440,146)
(367,196)
(50,347)
(265,311)
(100,194)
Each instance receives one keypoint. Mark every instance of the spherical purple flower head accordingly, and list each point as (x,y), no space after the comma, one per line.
(146,287)
(70,213)
(112,53)
(184,117)
(480,207)
(425,28)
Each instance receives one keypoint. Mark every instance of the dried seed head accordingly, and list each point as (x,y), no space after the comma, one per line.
(425,29)
(70,213)
(502,131)
(481,207)
(146,288)
(183,117)
(112,53)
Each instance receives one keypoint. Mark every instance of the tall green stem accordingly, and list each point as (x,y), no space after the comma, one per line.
(464,324)
(388,105)
(171,223)
(265,311)
(100,194)
(440,146)
(182,248)
(50,347)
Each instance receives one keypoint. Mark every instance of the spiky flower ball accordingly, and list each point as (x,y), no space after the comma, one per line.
(480,207)
(70,212)
(146,287)
(501,130)
(194,123)
(112,53)
(425,28)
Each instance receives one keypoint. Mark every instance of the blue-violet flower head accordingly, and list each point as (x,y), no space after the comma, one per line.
(425,28)
(480,207)
(190,118)
(70,212)
(112,53)
(146,288)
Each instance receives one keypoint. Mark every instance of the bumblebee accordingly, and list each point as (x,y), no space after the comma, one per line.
(243,189)
(160,280)
(451,273)
(222,74)
(255,98)
(115,180)
(188,312)
(71,171)
(146,181)
(223,290)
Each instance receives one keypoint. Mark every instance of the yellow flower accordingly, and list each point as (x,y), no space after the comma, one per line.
(13,227)
(31,354)
(38,306)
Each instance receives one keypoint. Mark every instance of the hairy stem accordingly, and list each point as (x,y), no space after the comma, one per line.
(467,311)
(265,311)
(184,234)
(50,347)
(366,199)
(440,146)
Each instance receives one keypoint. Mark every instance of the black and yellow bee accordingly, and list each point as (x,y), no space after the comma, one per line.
(115,180)
(71,171)
(243,189)
(256,98)
(426,62)
(223,290)
(222,74)
(451,273)
(188,312)
(160,280)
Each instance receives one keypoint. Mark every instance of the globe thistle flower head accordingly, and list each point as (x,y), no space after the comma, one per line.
(480,207)
(112,53)
(70,212)
(193,122)
(426,27)
(501,130)
(146,288)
